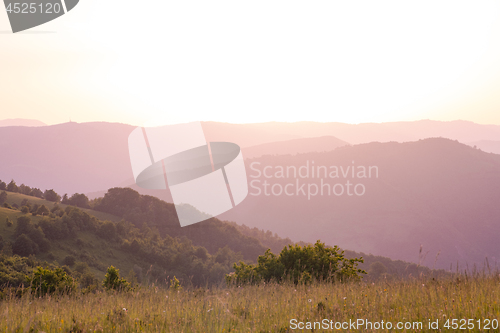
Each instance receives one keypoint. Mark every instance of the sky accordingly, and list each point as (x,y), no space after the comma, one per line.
(256,61)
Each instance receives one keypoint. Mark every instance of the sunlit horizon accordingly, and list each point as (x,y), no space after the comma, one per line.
(251,63)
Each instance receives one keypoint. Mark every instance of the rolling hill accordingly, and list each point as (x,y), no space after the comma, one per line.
(152,249)
(92,157)
(437,193)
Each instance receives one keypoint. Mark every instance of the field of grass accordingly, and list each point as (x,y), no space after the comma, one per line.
(263,308)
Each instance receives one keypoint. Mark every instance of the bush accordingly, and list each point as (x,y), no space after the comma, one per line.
(8,223)
(69,260)
(13,270)
(113,281)
(300,265)
(45,281)
(88,281)
(24,246)
(175,284)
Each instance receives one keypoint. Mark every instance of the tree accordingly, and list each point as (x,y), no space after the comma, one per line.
(37,236)
(78,200)
(24,226)
(107,230)
(46,281)
(24,246)
(64,199)
(118,201)
(42,210)
(88,281)
(3,186)
(69,260)
(36,192)
(25,209)
(113,281)
(201,253)
(12,187)
(51,195)
(34,209)
(377,270)
(23,189)
(3,197)
(300,264)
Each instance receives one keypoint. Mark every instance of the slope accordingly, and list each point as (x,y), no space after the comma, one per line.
(436,192)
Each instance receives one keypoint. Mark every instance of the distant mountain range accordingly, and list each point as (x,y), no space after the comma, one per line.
(68,157)
(294,147)
(92,157)
(436,192)
(488,146)
(463,131)
(21,122)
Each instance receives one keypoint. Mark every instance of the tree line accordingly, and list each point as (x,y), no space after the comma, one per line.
(77,199)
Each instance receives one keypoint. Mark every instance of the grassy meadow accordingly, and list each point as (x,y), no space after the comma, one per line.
(261,308)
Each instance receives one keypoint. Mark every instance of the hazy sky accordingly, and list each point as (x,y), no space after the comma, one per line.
(253,61)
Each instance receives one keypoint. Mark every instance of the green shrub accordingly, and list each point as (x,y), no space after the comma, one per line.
(46,281)
(175,284)
(300,264)
(113,281)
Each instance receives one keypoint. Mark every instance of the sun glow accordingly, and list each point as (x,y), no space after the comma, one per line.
(261,61)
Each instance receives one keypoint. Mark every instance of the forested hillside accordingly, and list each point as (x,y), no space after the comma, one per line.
(138,234)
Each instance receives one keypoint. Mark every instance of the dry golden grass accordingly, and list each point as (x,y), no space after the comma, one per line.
(257,308)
